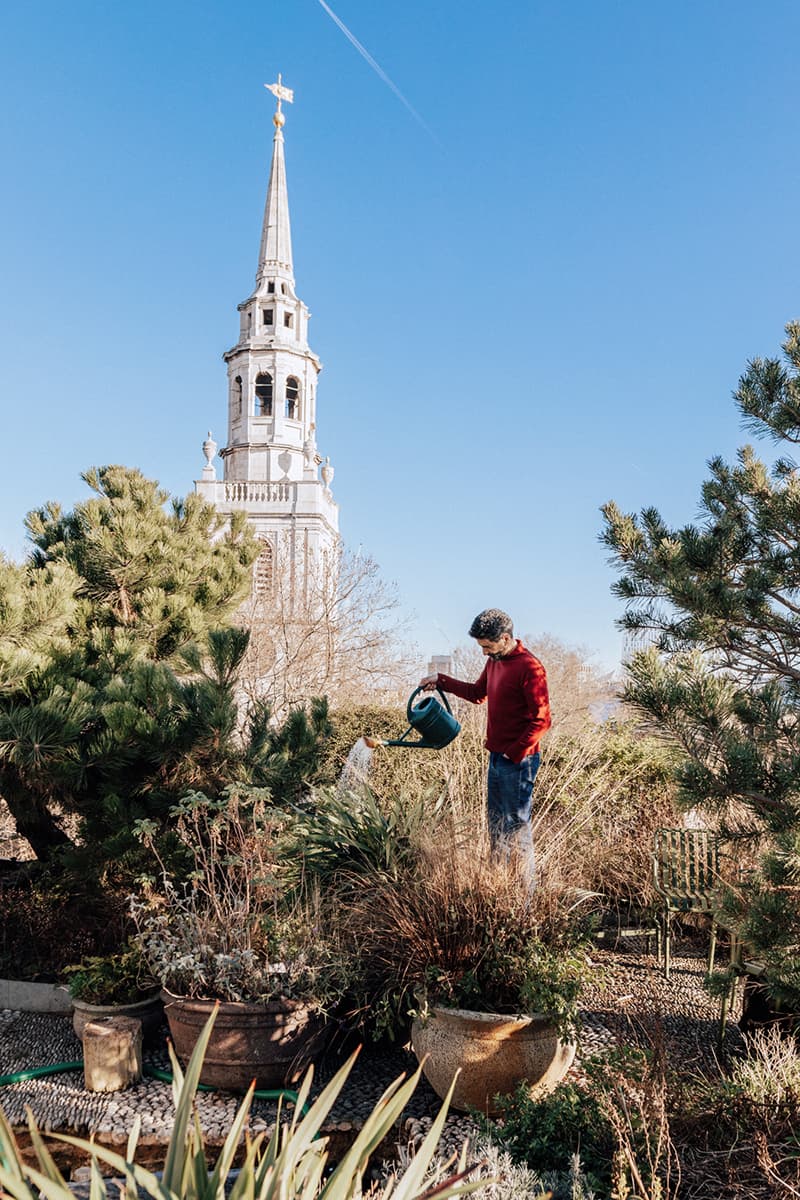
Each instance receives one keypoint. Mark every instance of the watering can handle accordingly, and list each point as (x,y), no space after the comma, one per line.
(416,692)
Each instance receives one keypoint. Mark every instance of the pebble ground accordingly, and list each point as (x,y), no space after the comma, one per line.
(630,1003)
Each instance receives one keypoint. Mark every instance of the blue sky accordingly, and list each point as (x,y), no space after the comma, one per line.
(543,305)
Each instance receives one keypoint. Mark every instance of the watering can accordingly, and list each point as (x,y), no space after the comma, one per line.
(435,724)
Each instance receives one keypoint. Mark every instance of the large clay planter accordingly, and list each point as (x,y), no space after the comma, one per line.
(494,1053)
(271,1043)
(149,1011)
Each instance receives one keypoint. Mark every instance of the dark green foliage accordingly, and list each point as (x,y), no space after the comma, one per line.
(291,754)
(347,835)
(720,601)
(119,978)
(100,718)
(573,1119)
(527,977)
(544,1133)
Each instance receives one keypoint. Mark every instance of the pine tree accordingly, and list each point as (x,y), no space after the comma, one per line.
(37,609)
(96,703)
(155,574)
(719,602)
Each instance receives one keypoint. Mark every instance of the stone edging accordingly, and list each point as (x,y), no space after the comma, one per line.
(34,997)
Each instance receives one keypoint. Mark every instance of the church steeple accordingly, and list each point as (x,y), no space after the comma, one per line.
(271,462)
(275,255)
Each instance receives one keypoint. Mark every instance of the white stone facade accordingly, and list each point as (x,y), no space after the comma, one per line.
(271,466)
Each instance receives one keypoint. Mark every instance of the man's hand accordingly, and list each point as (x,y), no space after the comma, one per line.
(428,684)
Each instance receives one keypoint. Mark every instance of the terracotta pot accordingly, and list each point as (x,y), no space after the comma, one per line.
(149,1011)
(494,1053)
(271,1042)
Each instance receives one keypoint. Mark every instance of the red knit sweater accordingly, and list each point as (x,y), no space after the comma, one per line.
(518,708)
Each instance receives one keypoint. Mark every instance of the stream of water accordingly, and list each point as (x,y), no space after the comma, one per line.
(355,772)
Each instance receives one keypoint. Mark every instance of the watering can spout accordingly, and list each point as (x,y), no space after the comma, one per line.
(434,723)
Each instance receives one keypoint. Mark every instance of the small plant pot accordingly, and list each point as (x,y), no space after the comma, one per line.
(271,1043)
(494,1053)
(149,1011)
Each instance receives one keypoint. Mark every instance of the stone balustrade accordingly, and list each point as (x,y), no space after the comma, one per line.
(240,491)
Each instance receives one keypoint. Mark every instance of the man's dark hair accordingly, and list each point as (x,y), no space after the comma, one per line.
(491,624)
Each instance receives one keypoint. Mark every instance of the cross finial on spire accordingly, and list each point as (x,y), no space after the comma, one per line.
(280,93)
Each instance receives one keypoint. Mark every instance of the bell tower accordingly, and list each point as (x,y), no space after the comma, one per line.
(271,467)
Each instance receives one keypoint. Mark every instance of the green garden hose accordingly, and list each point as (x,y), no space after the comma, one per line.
(38,1072)
(153,1072)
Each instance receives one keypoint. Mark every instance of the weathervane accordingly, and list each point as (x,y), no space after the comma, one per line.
(280,93)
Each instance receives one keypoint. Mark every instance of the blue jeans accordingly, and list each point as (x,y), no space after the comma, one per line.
(510,788)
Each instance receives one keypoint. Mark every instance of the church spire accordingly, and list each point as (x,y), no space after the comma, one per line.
(272,469)
(275,255)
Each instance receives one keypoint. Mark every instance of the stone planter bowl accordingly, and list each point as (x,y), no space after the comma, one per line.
(271,1042)
(494,1053)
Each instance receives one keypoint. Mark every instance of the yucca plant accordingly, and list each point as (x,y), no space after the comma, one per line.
(291,1165)
(353,835)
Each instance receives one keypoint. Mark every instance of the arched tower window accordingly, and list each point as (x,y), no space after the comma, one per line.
(263,571)
(238,394)
(292,399)
(264,395)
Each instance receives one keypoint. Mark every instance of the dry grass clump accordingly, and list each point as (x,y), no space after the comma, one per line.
(466,930)
(646,1163)
(738,1136)
(600,795)
(769,1078)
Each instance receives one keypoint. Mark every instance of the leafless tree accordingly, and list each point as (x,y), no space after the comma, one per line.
(335,630)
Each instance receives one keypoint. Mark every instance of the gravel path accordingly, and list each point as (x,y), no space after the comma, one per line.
(628,1004)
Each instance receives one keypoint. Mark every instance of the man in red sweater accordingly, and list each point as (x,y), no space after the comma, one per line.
(514,685)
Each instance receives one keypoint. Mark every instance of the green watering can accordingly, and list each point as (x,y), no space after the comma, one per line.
(436,725)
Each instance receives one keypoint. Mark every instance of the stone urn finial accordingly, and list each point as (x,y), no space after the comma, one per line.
(209,450)
(327,473)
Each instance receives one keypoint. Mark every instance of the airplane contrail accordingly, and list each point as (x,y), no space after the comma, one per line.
(377,68)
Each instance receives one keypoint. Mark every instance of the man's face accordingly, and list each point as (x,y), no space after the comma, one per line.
(499,649)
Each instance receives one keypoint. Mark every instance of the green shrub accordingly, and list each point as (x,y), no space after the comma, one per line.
(292,752)
(121,978)
(574,1119)
(543,1134)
